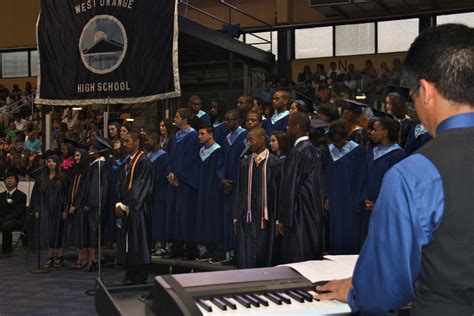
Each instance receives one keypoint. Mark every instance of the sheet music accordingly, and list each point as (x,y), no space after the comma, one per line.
(336,267)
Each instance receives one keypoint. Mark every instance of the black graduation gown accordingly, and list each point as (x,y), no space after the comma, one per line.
(135,227)
(114,167)
(300,204)
(50,204)
(160,191)
(254,245)
(75,221)
(95,198)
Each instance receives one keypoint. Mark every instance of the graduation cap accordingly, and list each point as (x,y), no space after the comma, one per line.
(399,92)
(116,122)
(380,114)
(100,144)
(302,107)
(51,154)
(354,106)
(75,144)
(317,123)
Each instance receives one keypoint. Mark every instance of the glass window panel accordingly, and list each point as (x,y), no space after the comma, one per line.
(259,40)
(355,39)
(396,36)
(462,18)
(34,62)
(15,64)
(313,42)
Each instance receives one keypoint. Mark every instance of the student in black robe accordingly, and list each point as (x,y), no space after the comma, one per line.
(357,121)
(300,205)
(75,207)
(244,104)
(255,209)
(135,190)
(48,204)
(95,198)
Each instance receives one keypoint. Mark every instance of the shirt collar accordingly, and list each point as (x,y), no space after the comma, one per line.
(12,191)
(457,121)
(261,157)
(278,116)
(299,140)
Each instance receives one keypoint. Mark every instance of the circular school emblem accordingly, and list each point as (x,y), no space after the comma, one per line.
(103,44)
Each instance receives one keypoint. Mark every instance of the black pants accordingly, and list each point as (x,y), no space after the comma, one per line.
(136,274)
(6,228)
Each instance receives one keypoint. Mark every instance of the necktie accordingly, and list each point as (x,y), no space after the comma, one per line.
(8,195)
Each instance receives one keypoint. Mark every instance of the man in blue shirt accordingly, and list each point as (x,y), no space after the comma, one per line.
(420,243)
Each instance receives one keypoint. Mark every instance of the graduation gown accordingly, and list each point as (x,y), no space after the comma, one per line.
(300,204)
(254,245)
(379,160)
(233,147)
(417,137)
(361,137)
(75,222)
(114,167)
(278,122)
(344,180)
(203,117)
(220,131)
(209,215)
(95,199)
(160,191)
(183,151)
(49,203)
(134,231)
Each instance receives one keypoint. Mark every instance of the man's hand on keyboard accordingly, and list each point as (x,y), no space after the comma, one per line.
(337,289)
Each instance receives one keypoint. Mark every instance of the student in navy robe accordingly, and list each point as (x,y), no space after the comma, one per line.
(417,137)
(300,204)
(75,207)
(253,120)
(280,144)
(209,215)
(244,104)
(381,158)
(183,151)
(166,131)
(344,180)
(158,158)
(279,120)
(234,144)
(255,207)
(218,108)
(135,190)
(48,204)
(357,123)
(194,103)
(94,205)
(114,166)
(395,105)
(258,105)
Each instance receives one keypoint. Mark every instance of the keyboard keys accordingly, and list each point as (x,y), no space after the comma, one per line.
(297,297)
(219,303)
(243,301)
(284,298)
(228,303)
(307,297)
(261,300)
(204,305)
(252,300)
(274,298)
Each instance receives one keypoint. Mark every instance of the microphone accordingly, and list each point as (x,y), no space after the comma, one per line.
(98,151)
(246,151)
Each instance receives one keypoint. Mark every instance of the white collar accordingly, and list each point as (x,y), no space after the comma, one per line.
(299,140)
(12,191)
(205,153)
(200,113)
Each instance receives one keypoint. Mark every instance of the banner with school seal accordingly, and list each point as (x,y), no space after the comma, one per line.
(107,51)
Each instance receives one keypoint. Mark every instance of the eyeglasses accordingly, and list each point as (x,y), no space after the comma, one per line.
(411,101)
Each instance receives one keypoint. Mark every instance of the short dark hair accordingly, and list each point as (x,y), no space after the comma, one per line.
(9,174)
(329,111)
(391,126)
(443,55)
(338,130)
(185,113)
(254,113)
(302,119)
(207,127)
(233,113)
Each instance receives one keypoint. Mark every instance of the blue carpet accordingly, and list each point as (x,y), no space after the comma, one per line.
(59,292)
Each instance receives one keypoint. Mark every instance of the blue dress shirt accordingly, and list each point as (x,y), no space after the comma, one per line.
(409,208)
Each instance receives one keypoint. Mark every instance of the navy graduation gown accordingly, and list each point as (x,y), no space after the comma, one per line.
(415,140)
(220,131)
(254,245)
(300,204)
(50,204)
(232,152)
(361,137)
(135,232)
(181,200)
(75,221)
(344,179)
(276,125)
(110,226)
(210,217)
(203,117)
(160,191)
(376,169)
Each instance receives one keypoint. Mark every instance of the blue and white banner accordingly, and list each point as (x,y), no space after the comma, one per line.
(100,51)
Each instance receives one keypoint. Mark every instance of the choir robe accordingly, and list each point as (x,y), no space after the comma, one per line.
(417,137)
(95,199)
(344,187)
(75,221)
(203,117)
(114,167)
(254,245)
(49,204)
(160,191)
(361,137)
(139,199)
(278,122)
(300,204)
(183,151)
(209,217)
(233,147)
(220,131)
(379,160)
